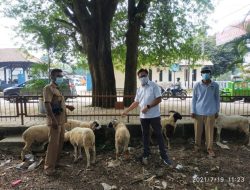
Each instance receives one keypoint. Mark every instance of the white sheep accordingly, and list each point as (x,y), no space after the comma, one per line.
(122,137)
(82,137)
(232,122)
(36,133)
(71,123)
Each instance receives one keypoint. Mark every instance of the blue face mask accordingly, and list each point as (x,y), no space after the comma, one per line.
(206,76)
(59,80)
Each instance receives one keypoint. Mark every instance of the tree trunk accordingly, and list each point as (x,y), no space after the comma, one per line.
(101,69)
(136,17)
(92,21)
(132,40)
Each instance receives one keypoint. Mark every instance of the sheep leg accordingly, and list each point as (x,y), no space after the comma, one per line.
(94,154)
(218,134)
(248,140)
(26,149)
(168,140)
(87,156)
(75,153)
(80,152)
(117,150)
(126,151)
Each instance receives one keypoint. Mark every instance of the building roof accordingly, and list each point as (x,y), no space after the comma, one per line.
(198,63)
(14,57)
(232,32)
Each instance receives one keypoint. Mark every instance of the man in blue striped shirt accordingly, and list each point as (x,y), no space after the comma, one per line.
(205,109)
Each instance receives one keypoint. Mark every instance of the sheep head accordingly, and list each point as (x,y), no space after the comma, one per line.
(176,115)
(113,123)
(66,136)
(67,126)
(95,125)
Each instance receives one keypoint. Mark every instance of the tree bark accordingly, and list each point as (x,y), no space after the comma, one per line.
(136,16)
(92,20)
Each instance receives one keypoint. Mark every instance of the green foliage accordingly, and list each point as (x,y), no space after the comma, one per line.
(38,27)
(35,86)
(169,33)
(173,30)
(38,69)
(226,57)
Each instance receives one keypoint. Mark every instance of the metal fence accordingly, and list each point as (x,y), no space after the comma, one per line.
(20,111)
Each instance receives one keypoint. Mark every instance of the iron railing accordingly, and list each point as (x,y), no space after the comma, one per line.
(21,111)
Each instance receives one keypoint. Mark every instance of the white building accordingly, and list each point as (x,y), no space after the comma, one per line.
(165,77)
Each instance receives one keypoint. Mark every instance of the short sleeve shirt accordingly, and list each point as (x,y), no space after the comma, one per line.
(52,95)
(145,95)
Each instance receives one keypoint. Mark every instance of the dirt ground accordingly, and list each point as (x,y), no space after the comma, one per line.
(230,169)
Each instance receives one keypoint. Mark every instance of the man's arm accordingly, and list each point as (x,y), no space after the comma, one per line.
(194,99)
(131,107)
(155,102)
(51,114)
(217,100)
(47,96)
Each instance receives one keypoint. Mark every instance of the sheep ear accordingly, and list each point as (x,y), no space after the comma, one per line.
(99,127)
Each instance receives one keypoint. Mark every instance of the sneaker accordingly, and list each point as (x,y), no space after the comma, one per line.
(167,162)
(144,160)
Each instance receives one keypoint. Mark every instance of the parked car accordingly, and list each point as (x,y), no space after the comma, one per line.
(34,88)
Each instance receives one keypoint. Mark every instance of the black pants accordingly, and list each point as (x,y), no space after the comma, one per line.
(156,125)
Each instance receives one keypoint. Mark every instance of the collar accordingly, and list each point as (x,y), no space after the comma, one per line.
(210,84)
(148,84)
(54,85)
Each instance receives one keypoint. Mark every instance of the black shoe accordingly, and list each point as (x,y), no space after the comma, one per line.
(167,162)
(143,160)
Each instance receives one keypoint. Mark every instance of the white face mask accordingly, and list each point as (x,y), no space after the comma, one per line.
(144,80)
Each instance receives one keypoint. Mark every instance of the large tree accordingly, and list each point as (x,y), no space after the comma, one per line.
(136,16)
(88,24)
(92,20)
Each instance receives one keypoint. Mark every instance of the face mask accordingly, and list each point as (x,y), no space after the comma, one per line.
(59,80)
(206,76)
(144,80)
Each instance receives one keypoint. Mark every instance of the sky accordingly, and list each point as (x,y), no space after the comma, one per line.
(226,12)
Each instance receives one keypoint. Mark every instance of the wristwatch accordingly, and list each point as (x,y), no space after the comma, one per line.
(148,106)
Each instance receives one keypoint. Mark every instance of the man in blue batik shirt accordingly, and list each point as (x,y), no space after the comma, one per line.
(205,109)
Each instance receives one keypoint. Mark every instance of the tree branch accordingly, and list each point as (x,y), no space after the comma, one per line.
(68,24)
(78,46)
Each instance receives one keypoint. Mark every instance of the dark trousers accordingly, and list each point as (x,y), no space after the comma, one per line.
(156,125)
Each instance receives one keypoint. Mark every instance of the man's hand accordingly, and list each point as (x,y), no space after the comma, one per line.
(71,108)
(54,124)
(125,113)
(144,110)
(193,115)
(216,115)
